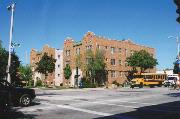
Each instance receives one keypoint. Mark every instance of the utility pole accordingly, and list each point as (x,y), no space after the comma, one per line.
(10,8)
(177,41)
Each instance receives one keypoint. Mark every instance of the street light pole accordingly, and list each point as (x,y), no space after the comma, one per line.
(10,8)
(177,40)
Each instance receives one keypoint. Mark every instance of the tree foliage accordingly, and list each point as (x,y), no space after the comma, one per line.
(141,59)
(46,65)
(25,74)
(67,71)
(176,68)
(14,66)
(96,67)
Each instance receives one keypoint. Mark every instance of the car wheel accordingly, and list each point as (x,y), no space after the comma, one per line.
(25,100)
(141,85)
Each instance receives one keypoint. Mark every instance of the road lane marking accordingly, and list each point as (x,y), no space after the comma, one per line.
(78,109)
(135,107)
(88,111)
(145,108)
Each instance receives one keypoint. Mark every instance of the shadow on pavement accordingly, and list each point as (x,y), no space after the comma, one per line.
(169,110)
(174,94)
(13,113)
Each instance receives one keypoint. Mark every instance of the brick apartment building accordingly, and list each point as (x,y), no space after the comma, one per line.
(55,78)
(116,52)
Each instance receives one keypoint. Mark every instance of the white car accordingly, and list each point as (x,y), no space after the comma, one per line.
(171,80)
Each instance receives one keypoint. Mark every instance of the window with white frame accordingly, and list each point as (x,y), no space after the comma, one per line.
(77,51)
(67,52)
(126,52)
(132,52)
(112,50)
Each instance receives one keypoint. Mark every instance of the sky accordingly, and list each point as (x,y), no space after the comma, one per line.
(40,22)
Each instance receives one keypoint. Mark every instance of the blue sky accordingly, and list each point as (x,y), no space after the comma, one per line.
(40,22)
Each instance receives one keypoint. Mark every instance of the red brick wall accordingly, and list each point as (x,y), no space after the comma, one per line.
(90,38)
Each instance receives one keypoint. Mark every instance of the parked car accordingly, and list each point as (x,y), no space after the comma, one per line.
(170,81)
(15,95)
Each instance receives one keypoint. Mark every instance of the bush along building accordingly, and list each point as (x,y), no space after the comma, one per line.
(85,59)
(52,79)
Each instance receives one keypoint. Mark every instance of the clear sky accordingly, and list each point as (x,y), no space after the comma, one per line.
(40,22)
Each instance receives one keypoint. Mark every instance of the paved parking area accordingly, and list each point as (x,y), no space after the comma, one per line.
(124,103)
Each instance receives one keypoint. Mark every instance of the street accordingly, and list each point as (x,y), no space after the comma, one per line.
(99,103)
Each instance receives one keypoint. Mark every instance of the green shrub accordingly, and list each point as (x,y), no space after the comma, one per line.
(38,83)
(87,84)
(116,83)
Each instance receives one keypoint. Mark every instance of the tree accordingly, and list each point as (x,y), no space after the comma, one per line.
(0,44)
(89,69)
(25,74)
(141,59)
(176,67)
(3,62)
(14,66)
(67,72)
(46,65)
(96,67)
(100,67)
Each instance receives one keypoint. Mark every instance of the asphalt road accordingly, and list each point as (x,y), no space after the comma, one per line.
(123,103)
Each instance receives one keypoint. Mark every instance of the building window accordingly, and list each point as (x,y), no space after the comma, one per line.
(98,46)
(89,47)
(112,50)
(58,75)
(112,61)
(126,52)
(58,65)
(132,52)
(67,52)
(120,62)
(106,47)
(113,74)
(77,51)
(58,56)
(67,62)
(119,50)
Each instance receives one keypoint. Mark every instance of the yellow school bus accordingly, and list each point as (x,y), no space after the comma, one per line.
(148,79)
